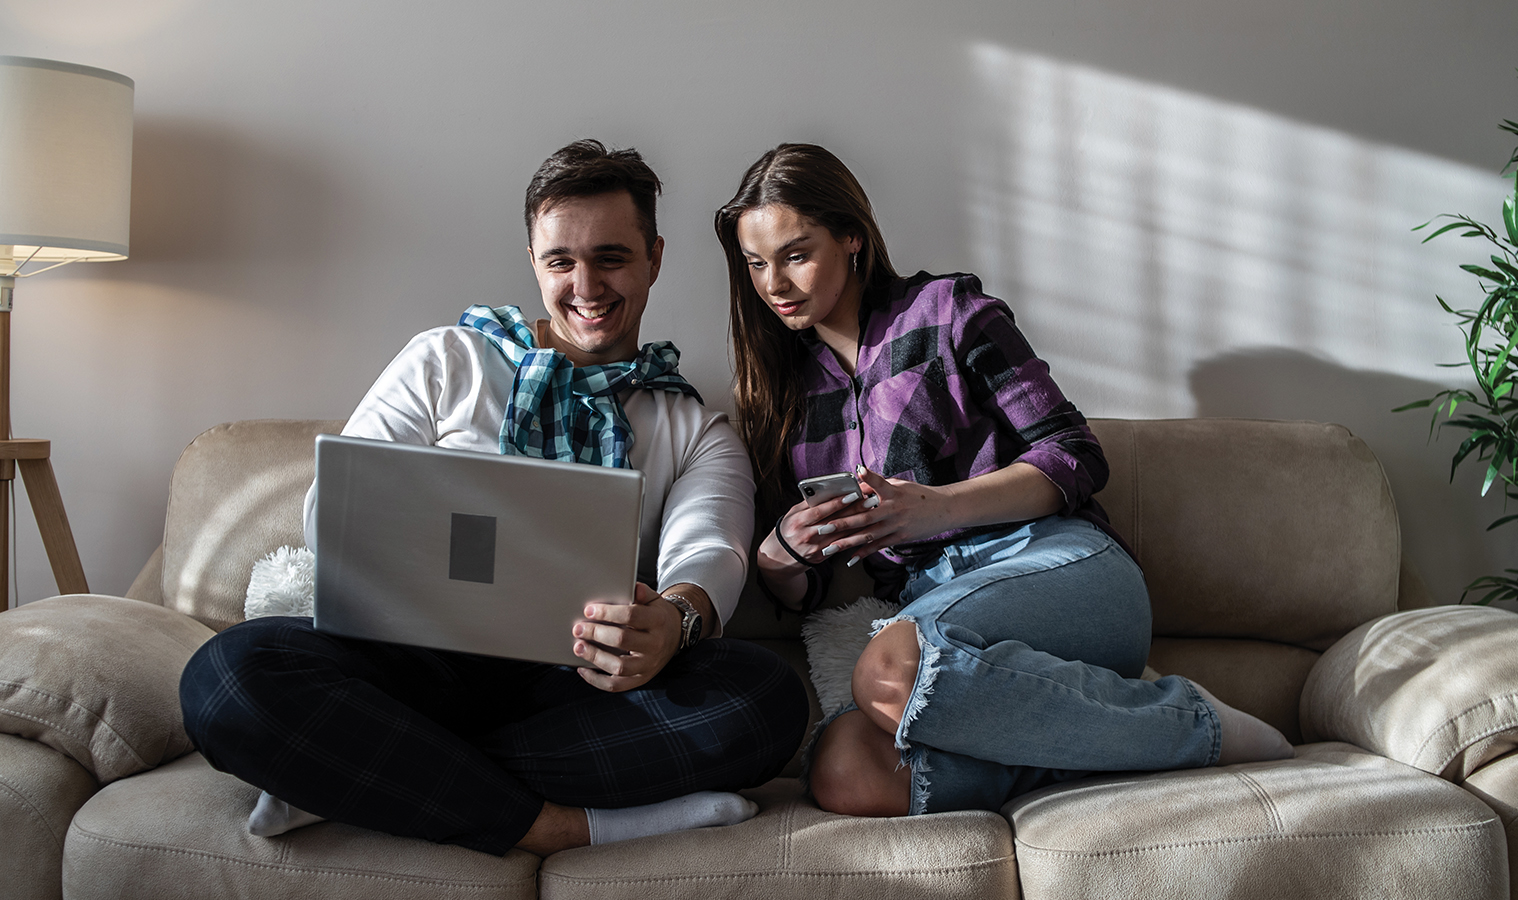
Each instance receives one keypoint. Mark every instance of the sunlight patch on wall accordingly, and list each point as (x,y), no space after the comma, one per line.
(1137,229)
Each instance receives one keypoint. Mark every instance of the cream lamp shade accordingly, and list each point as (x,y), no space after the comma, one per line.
(65,162)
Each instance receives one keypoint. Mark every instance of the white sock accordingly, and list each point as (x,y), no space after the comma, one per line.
(1245,738)
(699,810)
(273,816)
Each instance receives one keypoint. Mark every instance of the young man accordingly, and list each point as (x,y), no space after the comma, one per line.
(493,753)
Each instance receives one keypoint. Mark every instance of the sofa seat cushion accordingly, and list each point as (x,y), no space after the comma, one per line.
(97,679)
(181,831)
(793,849)
(1334,822)
(40,789)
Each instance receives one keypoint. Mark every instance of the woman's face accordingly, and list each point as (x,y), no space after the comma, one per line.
(799,269)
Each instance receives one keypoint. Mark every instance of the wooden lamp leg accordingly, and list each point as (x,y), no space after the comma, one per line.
(53,523)
(41,486)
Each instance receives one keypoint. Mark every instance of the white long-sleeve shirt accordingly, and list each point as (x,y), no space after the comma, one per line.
(449,388)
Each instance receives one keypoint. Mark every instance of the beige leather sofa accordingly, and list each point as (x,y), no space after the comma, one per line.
(1272,553)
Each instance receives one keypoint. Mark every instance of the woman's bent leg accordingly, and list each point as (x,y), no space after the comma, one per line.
(856,769)
(1023,656)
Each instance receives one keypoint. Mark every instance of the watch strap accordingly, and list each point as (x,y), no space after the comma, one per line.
(690,620)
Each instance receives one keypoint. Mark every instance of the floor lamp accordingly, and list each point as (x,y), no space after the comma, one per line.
(65,196)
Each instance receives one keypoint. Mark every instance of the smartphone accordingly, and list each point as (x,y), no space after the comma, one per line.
(825,487)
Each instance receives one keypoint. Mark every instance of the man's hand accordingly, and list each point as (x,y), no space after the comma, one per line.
(627,644)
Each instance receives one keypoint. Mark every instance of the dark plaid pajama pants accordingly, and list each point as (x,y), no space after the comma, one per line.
(464,749)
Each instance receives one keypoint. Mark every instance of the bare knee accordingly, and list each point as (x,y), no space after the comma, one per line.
(885,673)
(856,770)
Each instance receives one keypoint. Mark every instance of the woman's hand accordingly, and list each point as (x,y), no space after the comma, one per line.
(809,531)
(893,511)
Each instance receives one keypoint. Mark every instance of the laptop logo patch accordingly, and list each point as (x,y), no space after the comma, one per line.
(471,549)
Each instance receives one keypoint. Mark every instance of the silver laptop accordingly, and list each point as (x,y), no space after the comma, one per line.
(469,551)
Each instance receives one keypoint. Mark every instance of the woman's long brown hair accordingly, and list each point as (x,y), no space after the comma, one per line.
(769,357)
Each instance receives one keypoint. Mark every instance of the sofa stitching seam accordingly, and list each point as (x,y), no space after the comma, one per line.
(1453,723)
(1023,846)
(729,876)
(308,870)
(33,809)
(101,723)
(785,838)
(1271,812)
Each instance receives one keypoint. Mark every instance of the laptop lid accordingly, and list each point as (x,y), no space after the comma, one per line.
(468,551)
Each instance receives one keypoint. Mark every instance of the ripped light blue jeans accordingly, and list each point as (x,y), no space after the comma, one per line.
(1033,640)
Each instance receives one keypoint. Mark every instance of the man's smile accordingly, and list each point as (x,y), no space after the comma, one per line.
(594,313)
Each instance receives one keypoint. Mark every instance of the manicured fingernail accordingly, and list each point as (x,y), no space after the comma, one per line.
(859,470)
(873,502)
(851,562)
(830,549)
(829,528)
(850,498)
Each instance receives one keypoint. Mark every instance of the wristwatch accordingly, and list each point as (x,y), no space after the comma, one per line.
(690,621)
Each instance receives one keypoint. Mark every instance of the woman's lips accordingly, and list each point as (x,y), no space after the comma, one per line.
(787,309)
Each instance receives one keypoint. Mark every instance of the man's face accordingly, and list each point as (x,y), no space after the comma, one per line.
(594,269)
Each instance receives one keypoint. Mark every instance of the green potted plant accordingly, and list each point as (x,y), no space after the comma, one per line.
(1490,412)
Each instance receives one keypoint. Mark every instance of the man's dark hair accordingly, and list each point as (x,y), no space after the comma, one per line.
(586,168)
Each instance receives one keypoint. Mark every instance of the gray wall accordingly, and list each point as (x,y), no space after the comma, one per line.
(1195,208)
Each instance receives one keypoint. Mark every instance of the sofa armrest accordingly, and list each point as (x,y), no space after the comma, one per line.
(97,679)
(1434,688)
(148,585)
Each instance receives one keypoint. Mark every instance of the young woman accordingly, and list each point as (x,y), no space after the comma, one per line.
(1025,624)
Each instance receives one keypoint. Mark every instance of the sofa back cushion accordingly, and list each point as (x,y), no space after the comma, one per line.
(1254,530)
(235,495)
(1275,531)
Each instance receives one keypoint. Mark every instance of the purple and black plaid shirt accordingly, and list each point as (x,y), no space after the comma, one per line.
(946,388)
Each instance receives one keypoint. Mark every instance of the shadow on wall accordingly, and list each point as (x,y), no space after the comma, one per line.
(1443,524)
(213,197)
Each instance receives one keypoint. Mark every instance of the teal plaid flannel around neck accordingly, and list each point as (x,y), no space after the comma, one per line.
(560,411)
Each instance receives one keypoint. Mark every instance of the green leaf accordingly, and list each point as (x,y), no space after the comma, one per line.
(1416,404)
(1510,214)
(1502,521)
(1498,365)
(1450,227)
(1488,274)
(1507,268)
(1466,448)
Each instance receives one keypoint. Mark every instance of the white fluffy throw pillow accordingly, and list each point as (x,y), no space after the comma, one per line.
(283,584)
(834,639)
